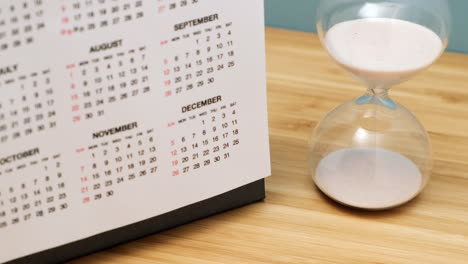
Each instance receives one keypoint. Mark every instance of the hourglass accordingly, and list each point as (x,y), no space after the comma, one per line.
(371,152)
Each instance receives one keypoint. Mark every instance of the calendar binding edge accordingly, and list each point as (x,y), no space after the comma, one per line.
(236,198)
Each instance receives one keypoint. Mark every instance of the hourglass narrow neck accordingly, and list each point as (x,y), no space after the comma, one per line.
(377,95)
(378,91)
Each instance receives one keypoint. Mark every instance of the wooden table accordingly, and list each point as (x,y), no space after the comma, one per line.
(296,224)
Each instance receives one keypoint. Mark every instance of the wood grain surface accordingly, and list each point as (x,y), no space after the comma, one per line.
(296,223)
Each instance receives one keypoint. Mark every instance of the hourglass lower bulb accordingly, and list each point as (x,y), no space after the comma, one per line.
(371,152)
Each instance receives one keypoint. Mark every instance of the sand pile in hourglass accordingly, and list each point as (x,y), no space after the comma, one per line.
(381,52)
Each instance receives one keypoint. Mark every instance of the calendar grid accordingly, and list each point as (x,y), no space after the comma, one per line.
(194,69)
(89,15)
(31,110)
(170,6)
(216,137)
(107,80)
(33,197)
(20,23)
(147,106)
(117,161)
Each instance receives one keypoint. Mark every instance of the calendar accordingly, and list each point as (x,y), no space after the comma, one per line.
(117,111)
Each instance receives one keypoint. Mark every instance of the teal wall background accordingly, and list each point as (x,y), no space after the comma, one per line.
(300,15)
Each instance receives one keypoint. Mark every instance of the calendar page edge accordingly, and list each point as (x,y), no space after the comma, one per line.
(242,196)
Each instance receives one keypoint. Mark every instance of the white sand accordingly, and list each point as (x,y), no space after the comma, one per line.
(368,178)
(383,48)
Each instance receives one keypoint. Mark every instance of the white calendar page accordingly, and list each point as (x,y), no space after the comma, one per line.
(116,111)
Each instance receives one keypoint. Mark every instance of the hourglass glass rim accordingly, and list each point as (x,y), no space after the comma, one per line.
(398,10)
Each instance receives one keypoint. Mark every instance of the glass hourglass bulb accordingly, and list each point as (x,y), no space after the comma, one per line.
(371,152)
